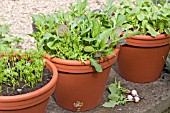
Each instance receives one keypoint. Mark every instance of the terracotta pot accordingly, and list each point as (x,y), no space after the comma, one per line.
(142,58)
(33,102)
(80,87)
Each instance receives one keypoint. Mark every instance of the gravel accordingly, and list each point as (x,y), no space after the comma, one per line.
(18,14)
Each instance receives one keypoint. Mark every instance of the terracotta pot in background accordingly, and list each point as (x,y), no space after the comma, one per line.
(80,87)
(33,102)
(142,58)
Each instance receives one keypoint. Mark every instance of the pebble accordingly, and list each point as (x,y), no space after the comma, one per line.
(19,90)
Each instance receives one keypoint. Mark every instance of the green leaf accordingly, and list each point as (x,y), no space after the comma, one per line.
(113,88)
(120,20)
(39,21)
(136,32)
(138,2)
(110,3)
(4,29)
(96,28)
(161,27)
(116,32)
(167,30)
(51,45)
(127,26)
(103,44)
(47,36)
(89,39)
(51,21)
(144,23)
(87,30)
(110,104)
(141,16)
(113,97)
(103,36)
(89,49)
(7,39)
(96,65)
(151,30)
(116,95)
(80,6)
(51,41)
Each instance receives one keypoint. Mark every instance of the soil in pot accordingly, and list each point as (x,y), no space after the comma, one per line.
(23,88)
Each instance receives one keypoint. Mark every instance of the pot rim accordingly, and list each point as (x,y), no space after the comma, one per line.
(149,37)
(78,62)
(148,41)
(36,92)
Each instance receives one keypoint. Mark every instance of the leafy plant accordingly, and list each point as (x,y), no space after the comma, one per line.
(17,67)
(116,95)
(79,34)
(7,39)
(145,16)
(4,29)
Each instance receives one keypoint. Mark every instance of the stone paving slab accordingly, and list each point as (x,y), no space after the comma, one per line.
(156,97)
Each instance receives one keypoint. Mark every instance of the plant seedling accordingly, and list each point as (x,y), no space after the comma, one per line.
(117,95)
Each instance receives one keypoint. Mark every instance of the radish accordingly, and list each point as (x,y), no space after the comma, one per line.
(134,93)
(136,99)
(130,97)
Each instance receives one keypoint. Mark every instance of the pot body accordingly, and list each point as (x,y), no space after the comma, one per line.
(142,58)
(80,87)
(33,102)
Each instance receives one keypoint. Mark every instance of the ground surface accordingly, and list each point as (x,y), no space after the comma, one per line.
(156,95)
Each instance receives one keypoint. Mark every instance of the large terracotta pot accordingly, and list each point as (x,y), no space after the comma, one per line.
(33,102)
(80,87)
(142,58)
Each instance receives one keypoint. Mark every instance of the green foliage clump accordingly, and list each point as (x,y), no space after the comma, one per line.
(18,67)
(146,16)
(78,34)
(117,95)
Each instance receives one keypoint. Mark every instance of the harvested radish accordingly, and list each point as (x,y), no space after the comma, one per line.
(134,93)
(136,99)
(130,97)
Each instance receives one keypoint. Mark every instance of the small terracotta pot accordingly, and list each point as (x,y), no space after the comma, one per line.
(33,102)
(80,87)
(142,58)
